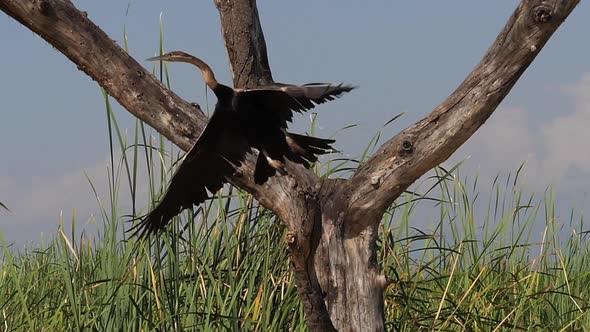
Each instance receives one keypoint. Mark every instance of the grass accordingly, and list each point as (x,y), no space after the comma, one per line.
(486,271)
(479,266)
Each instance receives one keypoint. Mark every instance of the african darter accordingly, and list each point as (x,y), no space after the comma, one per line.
(243,119)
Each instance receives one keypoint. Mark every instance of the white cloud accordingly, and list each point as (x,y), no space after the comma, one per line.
(567,138)
(506,136)
(556,152)
(40,200)
(37,203)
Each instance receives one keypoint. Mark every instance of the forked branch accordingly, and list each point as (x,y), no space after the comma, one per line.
(300,199)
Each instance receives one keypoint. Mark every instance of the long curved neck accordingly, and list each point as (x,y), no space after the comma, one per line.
(208,75)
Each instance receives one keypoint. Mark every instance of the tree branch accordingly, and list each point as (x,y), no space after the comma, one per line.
(424,145)
(85,44)
(244,43)
(299,208)
(70,31)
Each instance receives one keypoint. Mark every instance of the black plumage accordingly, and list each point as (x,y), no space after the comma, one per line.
(243,119)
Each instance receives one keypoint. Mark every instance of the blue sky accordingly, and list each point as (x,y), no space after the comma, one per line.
(404,56)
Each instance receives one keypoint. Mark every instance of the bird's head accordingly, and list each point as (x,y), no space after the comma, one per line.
(174,56)
(179,56)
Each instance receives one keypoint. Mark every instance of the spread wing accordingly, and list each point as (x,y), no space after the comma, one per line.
(205,168)
(276,104)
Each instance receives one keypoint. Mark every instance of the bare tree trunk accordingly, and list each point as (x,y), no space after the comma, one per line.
(332,223)
(337,253)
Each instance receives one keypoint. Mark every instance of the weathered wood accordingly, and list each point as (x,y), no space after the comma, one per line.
(346,263)
(72,33)
(332,224)
(417,149)
(244,43)
(300,207)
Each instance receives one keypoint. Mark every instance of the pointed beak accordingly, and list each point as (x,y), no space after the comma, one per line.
(156,58)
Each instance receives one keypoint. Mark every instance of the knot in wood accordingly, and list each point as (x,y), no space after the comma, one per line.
(381,282)
(407,147)
(542,14)
(45,8)
(375,181)
(318,186)
(292,183)
(291,238)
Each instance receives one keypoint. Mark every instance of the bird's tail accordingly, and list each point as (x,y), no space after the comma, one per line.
(302,150)
(309,147)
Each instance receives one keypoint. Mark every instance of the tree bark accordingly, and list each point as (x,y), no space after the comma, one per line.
(300,209)
(333,223)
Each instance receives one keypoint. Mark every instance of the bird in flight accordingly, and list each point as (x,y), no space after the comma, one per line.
(243,119)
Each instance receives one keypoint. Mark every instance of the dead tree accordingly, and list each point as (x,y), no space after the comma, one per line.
(332,223)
